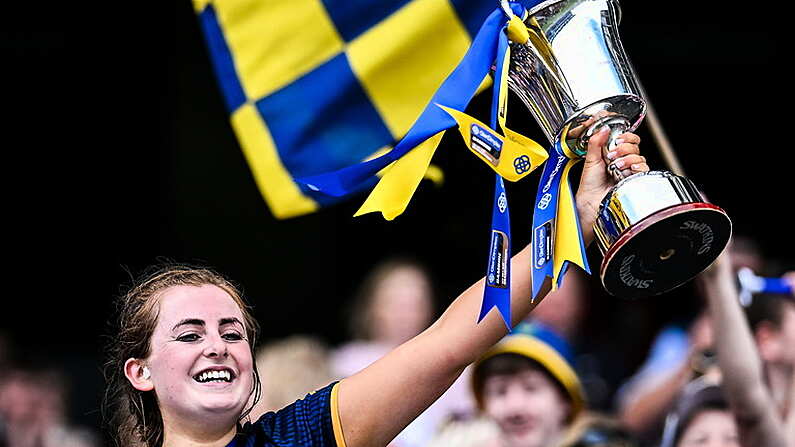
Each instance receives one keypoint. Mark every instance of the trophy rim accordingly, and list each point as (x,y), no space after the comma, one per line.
(547,3)
(652,219)
(634,121)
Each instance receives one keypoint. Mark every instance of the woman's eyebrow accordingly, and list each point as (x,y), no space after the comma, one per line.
(231,320)
(188,322)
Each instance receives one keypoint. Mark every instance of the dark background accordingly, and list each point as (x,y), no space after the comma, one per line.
(117,151)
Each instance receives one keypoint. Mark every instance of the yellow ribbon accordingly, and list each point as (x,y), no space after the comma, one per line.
(393,192)
(434,173)
(514,145)
(567,232)
(516,149)
(517,31)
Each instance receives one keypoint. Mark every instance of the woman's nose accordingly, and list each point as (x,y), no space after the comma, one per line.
(216,347)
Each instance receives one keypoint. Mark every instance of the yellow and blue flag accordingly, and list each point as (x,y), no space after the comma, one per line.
(312,86)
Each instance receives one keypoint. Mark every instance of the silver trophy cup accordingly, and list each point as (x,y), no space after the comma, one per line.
(654,229)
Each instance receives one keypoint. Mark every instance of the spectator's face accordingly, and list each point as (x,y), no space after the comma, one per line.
(401,306)
(21,402)
(200,329)
(527,406)
(710,428)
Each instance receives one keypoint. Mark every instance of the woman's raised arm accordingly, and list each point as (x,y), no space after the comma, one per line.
(378,402)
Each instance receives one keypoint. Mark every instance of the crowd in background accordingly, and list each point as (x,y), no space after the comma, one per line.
(722,379)
(33,405)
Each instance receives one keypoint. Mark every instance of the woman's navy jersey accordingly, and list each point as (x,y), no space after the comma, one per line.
(310,422)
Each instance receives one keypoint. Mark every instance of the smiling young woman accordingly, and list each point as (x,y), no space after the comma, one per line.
(181,369)
(190,325)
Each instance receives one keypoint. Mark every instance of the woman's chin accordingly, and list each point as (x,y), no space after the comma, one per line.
(212,403)
(221,396)
(222,404)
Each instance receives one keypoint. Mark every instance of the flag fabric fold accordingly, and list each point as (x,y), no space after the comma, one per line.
(312,86)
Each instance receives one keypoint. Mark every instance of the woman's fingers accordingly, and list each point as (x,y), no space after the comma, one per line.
(631,164)
(629,137)
(636,168)
(626,155)
(622,150)
(595,145)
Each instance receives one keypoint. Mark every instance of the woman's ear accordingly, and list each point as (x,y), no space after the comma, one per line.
(138,375)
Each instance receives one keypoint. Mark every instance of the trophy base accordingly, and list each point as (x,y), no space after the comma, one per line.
(665,250)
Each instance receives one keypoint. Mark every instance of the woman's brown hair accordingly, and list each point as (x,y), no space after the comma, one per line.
(133,417)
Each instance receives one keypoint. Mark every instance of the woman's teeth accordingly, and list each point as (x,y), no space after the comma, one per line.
(214,376)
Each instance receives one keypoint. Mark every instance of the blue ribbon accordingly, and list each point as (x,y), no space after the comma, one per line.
(544,216)
(497,292)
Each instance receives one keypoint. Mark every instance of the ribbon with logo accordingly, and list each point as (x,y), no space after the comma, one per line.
(557,238)
(486,144)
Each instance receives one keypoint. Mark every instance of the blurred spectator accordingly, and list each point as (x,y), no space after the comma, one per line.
(527,386)
(32,408)
(701,417)
(394,303)
(678,355)
(772,321)
(756,357)
(597,430)
(562,314)
(290,368)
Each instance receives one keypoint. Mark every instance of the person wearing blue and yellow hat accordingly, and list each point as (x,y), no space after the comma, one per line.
(526,384)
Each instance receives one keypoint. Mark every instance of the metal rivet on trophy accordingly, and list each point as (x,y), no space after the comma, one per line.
(654,229)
